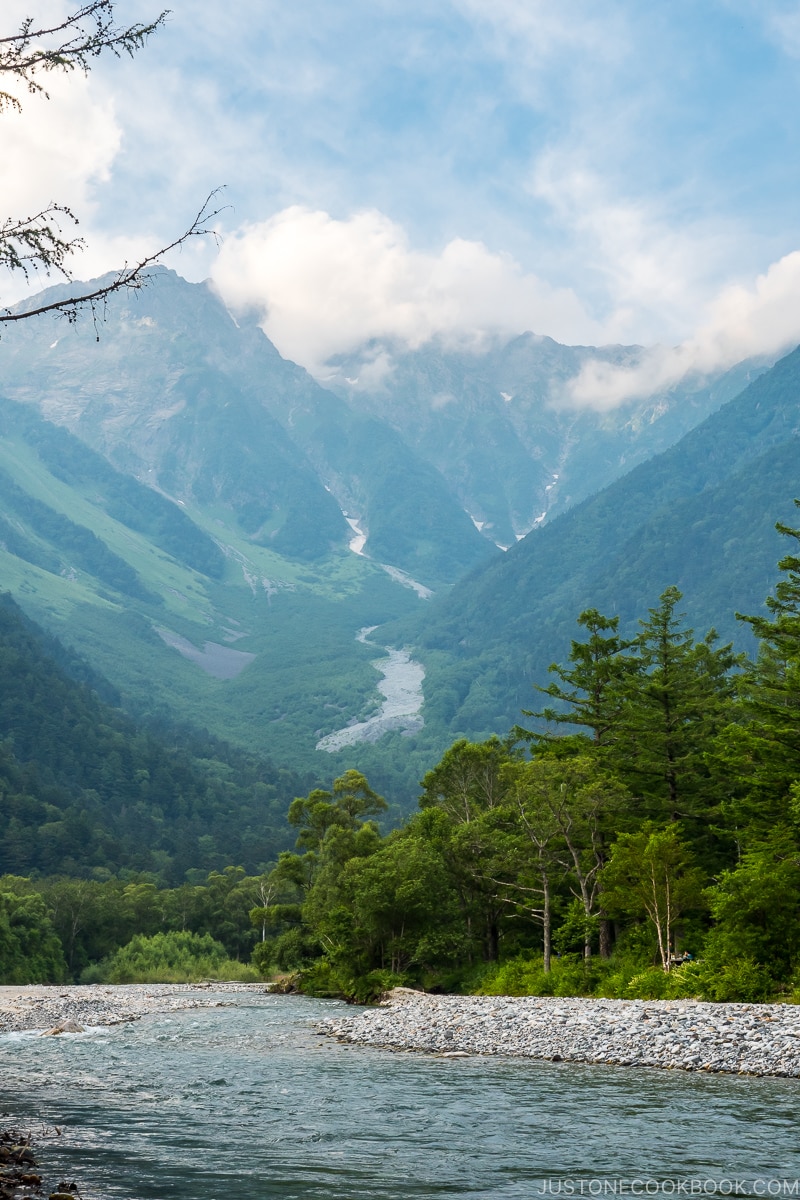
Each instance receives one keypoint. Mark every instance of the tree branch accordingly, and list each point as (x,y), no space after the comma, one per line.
(79,38)
(130,278)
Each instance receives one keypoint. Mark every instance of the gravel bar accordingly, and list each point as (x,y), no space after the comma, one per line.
(742,1039)
(46,1008)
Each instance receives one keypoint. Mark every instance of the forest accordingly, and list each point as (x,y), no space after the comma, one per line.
(637,834)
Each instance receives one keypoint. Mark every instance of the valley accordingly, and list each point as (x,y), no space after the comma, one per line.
(210,527)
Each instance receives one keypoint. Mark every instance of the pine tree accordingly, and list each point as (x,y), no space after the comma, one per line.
(760,752)
(588,691)
(679,697)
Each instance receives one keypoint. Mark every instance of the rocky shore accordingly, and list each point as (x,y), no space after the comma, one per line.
(745,1039)
(49,1008)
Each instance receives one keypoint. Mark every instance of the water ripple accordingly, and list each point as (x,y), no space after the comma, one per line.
(248,1102)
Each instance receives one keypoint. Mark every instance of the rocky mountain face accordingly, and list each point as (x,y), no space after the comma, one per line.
(171,389)
(418,458)
(701,516)
(495,422)
(215,531)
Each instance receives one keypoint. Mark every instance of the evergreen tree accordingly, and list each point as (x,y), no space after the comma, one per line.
(588,691)
(676,700)
(762,751)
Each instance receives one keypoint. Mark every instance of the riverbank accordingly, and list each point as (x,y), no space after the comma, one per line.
(44,1008)
(744,1039)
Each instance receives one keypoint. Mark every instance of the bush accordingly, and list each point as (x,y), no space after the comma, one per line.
(176,957)
(30,950)
(569,975)
(739,980)
(328,981)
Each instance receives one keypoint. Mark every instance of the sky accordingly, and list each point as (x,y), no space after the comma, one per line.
(626,172)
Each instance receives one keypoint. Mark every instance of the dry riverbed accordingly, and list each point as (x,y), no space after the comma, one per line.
(46,1008)
(748,1039)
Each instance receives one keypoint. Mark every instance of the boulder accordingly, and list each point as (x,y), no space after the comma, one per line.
(68,1026)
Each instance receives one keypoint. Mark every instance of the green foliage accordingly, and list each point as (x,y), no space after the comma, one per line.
(131,503)
(30,951)
(755,906)
(82,787)
(651,873)
(78,546)
(174,958)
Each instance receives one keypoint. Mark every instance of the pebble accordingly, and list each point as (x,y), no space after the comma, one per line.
(50,1009)
(688,1035)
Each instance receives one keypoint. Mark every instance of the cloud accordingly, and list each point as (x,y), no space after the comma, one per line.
(782,25)
(652,267)
(57,149)
(60,151)
(326,286)
(741,322)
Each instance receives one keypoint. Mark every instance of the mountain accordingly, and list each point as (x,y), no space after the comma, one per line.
(176,393)
(182,611)
(219,535)
(83,789)
(701,515)
(495,424)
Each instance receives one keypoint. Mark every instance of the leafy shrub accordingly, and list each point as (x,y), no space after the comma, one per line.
(739,980)
(176,957)
(30,950)
(569,975)
(652,984)
(327,980)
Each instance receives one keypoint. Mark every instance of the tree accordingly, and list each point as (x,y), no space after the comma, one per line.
(588,691)
(673,704)
(469,787)
(527,882)
(38,242)
(763,751)
(30,951)
(651,873)
(755,907)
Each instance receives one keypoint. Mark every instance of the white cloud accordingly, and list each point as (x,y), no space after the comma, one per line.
(656,268)
(326,286)
(741,322)
(57,151)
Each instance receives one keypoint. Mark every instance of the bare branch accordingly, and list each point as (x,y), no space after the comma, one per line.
(77,40)
(130,278)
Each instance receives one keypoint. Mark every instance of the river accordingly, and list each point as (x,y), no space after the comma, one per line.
(401,688)
(247,1102)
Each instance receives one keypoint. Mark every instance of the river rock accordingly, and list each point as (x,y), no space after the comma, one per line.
(688,1035)
(68,1026)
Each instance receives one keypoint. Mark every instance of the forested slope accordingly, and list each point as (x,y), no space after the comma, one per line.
(83,789)
(700,516)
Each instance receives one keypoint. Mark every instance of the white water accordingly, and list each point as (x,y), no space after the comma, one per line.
(401,688)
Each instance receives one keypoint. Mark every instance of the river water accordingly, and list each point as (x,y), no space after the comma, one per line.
(246,1102)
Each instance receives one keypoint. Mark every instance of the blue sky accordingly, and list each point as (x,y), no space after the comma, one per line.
(619,172)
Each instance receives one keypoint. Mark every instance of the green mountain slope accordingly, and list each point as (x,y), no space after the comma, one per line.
(178,394)
(84,790)
(179,607)
(700,515)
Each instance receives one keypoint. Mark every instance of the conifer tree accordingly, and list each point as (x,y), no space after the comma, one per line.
(763,751)
(588,691)
(676,700)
